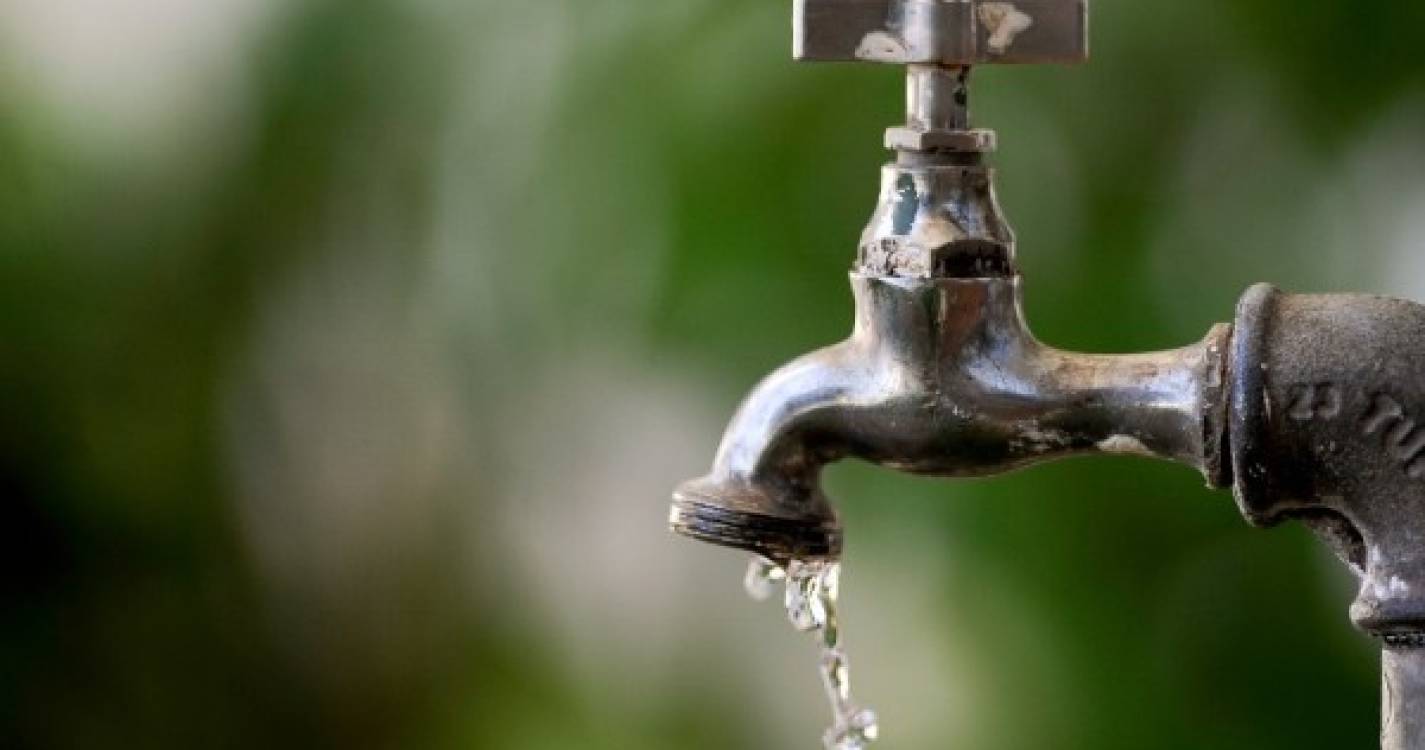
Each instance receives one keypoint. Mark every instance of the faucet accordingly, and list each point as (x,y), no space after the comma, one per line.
(1311,408)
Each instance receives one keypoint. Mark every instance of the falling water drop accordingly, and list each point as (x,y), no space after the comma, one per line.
(812,590)
(762,579)
(806,604)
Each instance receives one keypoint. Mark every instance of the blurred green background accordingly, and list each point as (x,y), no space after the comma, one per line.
(349,350)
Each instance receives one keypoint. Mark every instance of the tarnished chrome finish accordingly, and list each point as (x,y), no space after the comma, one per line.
(937,97)
(940,377)
(937,220)
(965,32)
(1316,415)
(938,114)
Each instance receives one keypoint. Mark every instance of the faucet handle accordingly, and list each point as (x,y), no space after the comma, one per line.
(941,32)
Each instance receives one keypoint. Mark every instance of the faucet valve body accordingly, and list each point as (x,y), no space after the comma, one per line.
(940,377)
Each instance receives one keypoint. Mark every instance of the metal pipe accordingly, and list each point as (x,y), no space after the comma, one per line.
(1402,699)
(937,98)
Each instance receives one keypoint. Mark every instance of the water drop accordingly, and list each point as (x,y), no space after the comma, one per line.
(763,577)
(855,733)
(812,590)
(806,604)
(835,676)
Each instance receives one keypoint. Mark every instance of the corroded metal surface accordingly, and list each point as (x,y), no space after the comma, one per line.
(937,221)
(1312,408)
(971,32)
(1328,425)
(940,377)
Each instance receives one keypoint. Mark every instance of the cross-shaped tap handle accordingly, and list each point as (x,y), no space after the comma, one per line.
(942,32)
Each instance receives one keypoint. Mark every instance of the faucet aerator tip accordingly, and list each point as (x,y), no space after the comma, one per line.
(740,516)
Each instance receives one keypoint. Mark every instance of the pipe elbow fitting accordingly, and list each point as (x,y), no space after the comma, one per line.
(1328,428)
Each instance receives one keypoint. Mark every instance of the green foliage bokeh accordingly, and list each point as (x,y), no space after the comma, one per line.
(685,192)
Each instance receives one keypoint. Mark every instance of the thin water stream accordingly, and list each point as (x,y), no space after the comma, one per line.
(811,591)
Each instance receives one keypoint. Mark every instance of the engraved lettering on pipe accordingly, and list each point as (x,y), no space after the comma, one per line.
(1402,438)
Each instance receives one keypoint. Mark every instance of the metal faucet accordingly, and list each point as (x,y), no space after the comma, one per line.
(1310,407)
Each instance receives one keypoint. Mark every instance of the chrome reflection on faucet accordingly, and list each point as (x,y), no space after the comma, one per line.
(1311,408)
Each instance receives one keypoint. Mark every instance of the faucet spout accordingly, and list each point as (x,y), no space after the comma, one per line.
(939,377)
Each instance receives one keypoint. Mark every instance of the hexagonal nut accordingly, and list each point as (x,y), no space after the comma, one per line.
(962,141)
(973,258)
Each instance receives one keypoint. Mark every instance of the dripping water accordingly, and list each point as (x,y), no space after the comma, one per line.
(811,590)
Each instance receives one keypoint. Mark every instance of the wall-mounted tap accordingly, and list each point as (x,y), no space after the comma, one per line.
(1311,408)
